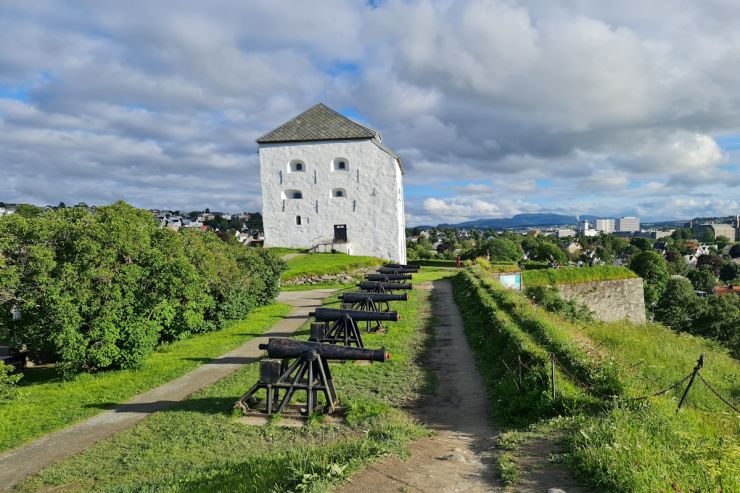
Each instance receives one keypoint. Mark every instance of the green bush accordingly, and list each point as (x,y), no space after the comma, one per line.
(652,267)
(549,298)
(8,379)
(99,290)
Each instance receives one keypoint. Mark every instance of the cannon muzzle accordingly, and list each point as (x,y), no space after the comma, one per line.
(358,297)
(412,268)
(281,347)
(388,277)
(373,285)
(332,314)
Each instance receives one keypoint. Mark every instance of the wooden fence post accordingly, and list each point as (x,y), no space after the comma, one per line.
(552,373)
(699,365)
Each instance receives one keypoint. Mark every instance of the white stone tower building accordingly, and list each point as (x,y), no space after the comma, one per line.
(329,183)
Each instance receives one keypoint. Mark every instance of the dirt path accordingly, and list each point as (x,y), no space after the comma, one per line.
(289,256)
(460,455)
(32,457)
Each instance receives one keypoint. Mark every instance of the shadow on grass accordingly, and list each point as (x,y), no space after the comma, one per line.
(204,405)
(227,360)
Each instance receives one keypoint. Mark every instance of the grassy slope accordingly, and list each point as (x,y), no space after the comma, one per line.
(632,445)
(199,445)
(317,264)
(575,275)
(47,403)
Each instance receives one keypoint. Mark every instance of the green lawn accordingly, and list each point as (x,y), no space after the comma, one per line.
(46,403)
(281,251)
(316,264)
(573,275)
(200,446)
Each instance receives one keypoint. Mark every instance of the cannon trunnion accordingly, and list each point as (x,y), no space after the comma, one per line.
(298,366)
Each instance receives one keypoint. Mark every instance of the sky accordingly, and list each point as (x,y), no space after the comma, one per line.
(495,107)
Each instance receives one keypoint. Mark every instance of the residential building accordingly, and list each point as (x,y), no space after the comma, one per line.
(605,225)
(565,233)
(627,224)
(726,230)
(329,183)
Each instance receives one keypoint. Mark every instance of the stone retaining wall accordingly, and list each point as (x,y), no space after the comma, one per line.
(343,277)
(609,300)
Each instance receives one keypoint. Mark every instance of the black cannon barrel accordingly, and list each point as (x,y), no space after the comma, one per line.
(395,270)
(357,297)
(332,314)
(389,277)
(414,268)
(281,347)
(371,285)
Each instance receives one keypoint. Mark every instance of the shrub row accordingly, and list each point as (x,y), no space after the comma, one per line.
(99,290)
(578,355)
(500,347)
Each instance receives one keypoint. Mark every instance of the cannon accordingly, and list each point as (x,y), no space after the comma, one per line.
(406,267)
(293,366)
(372,301)
(382,287)
(388,277)
(391,270)
(341,325)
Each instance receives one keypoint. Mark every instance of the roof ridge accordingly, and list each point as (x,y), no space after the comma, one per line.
(319,122)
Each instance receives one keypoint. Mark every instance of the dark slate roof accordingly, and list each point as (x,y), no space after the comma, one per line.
(318,123)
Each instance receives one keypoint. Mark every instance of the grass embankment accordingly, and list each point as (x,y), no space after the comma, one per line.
(574,275)
(45,402)
(317,264)
(282,251)
(200,446)
(616,442)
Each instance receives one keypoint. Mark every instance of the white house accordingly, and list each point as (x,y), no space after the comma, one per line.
(329,183)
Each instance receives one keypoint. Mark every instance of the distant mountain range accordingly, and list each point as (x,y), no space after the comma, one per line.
(522,221)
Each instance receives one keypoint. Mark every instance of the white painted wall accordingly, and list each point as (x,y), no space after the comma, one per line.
(373,208)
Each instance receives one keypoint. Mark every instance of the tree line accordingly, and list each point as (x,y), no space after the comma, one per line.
(97,290)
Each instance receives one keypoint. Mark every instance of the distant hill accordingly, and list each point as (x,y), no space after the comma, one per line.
(521,221)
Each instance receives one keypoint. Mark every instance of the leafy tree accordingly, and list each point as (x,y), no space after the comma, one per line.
(707,235)
(500,250)
(682,234)
(28,210)
(677,263)
(606,254)
(713,262)
(735,251)
(62,205)
(642,243)
(547,251)
(703,279)
(721,242)
(729,272)
(720,321)
(678,305)
(652,268)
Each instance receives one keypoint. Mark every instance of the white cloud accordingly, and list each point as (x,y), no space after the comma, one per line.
(609,104)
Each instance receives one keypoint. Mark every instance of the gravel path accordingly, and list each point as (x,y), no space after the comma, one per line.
(459,457)
(32,457)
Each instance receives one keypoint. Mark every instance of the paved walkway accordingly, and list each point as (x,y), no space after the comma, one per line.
(289,256)
(32,457)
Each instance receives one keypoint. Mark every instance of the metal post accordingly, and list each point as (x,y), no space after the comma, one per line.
(699,365)
(552,373)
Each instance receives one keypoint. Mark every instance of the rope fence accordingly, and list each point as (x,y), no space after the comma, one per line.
(691,377)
